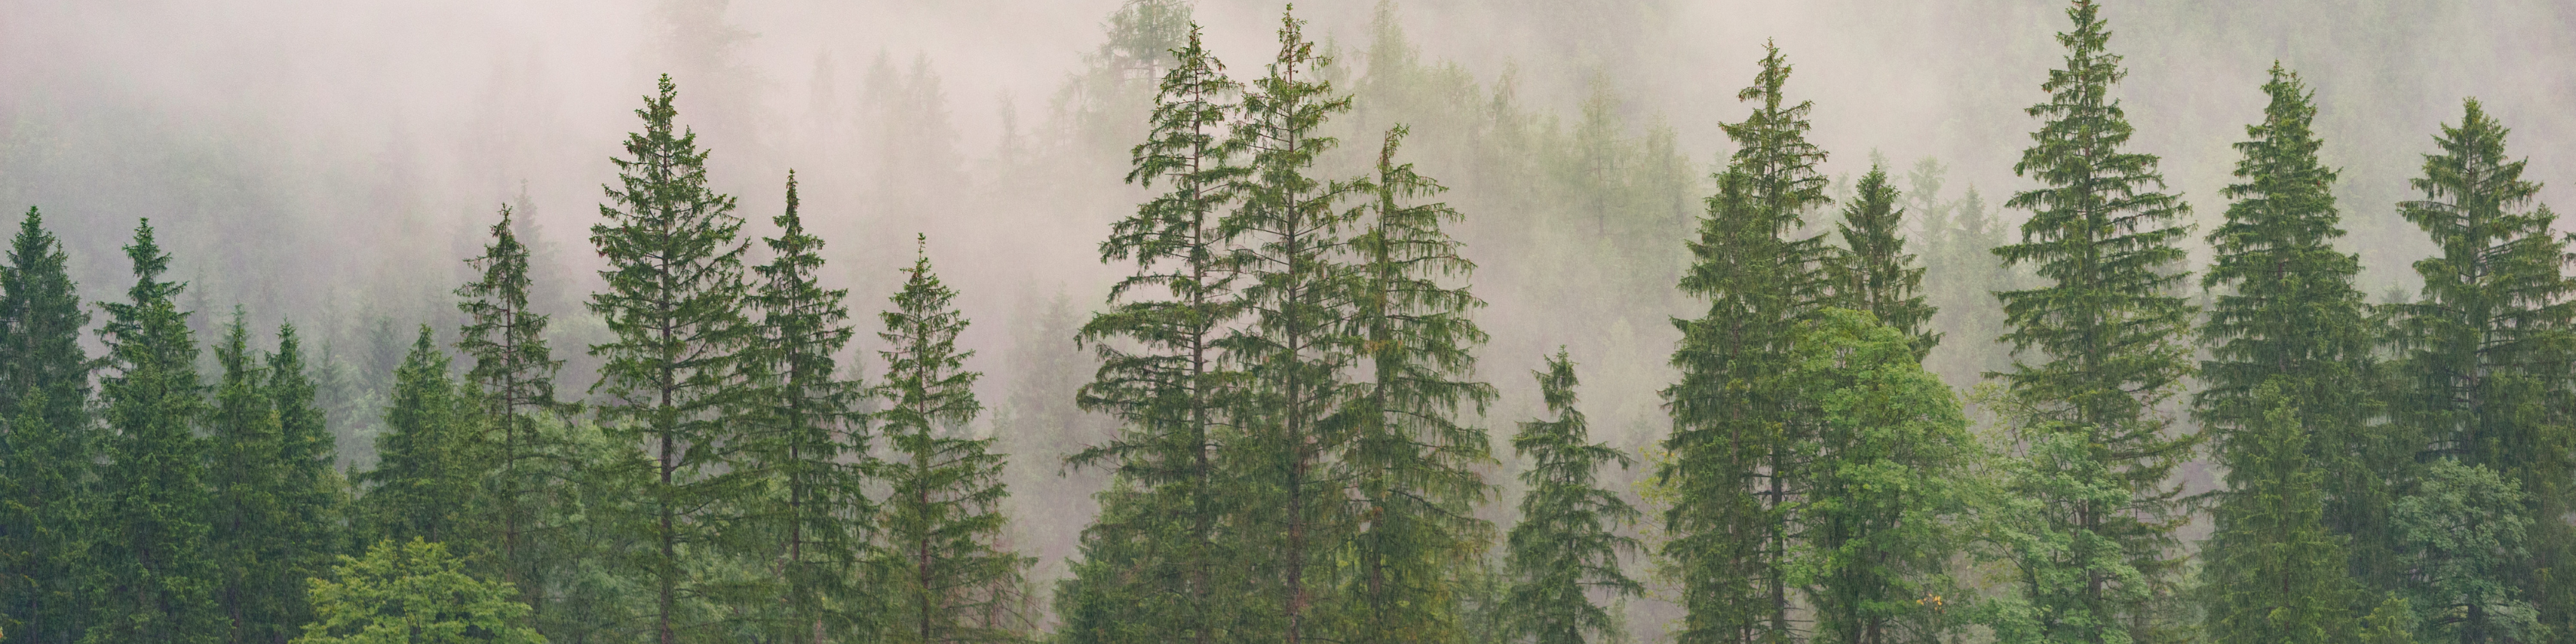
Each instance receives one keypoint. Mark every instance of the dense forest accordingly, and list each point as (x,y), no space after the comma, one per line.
(1308,342)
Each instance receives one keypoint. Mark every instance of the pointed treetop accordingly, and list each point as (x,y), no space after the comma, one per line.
(788,222)
(149,264)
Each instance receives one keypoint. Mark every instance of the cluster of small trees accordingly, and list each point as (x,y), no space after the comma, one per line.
(2393,472)
(726,481)
(1292,363)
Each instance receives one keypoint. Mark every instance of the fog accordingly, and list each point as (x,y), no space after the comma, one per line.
(331,163)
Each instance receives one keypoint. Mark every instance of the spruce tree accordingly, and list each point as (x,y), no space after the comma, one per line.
(312,497)
(2273,572)
(2487,345)
(2289,319)
(1887,487)
(1737,426)
(151,579)
(40,322)
(1293,346)
(1568,542)
(1875,275)
(674,297)
(428,478)
(513,377)
(812,512)
(1160,375)
(2097,348)
(255,533)
(948,581)
(48,446)
(1411,463)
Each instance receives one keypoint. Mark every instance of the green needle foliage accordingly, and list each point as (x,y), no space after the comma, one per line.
(1567,544)
(414,593)
(1736,422)
(808,509)
(2097,562)
(2487,346)
(48,446)
(2291,365)
(151,580)
(947,578)
(1409,460)
(312,497)
(513,374)
(1161,376)
(429,464)
(1875,275)
(1887,488)
(272,510)
(1287,514)
(2274,574)
(674,302)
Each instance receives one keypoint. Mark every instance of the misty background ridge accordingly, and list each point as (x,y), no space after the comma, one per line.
(332,164)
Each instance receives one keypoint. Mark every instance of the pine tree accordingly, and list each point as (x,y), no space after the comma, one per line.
(949,582)
(2487,344)
(1567,543)
(151,579)
(1120,583)
(513,376)
(1293,347)
(1161,377)
(811,510)
(48,446)
(429,466)
(674,302)
(1887,489)
(312,498)
(255,532)
(1407,456)
(2273,572)
(1736,426)
(2107,330)
(2291,320)
(1876,275)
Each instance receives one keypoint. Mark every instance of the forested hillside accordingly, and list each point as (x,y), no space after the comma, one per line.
(1229,321)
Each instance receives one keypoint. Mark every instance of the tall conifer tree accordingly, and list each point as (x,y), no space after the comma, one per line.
(1737,428)
(257,530)
(2487,347)
(949,580)
(1160,374)
(2096,553)
(430,464)
(1293,347)
(674,302)
(2274,574)
(513,375)
(151,580)
(48,445)
(1875,275)
(2290,343)
(1567,544)
(312,497)
(810,509)
(1409,459)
